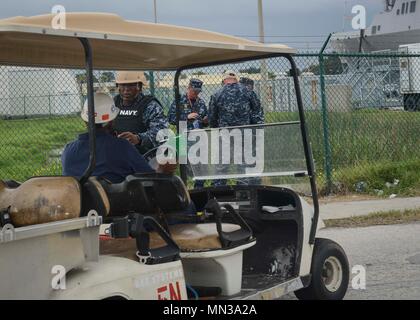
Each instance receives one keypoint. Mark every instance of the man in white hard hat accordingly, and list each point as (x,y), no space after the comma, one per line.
(141,116)
(115,158)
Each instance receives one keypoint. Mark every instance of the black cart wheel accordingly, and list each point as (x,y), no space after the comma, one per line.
(330,273)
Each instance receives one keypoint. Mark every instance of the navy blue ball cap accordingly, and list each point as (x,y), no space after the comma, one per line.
(196,84)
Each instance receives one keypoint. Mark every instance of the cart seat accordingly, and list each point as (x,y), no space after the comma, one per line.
(141,193)
(95,198)
(195,237)
(211,252)
(145,193)
(206,262)
(189,237)
(124,248)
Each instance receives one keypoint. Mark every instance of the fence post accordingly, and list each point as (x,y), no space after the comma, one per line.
(49,104)
(325,123)
(24,106)
(289,95)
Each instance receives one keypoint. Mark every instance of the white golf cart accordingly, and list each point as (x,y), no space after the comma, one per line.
(248,242)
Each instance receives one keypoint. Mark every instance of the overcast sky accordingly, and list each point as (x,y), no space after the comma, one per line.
(303,24)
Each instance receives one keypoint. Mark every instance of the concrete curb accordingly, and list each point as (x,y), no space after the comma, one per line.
(339,210)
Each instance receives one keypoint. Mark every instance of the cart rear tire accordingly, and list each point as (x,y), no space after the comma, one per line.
(330,273)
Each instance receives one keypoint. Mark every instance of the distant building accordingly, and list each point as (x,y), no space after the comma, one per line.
(30,92)
(105,87)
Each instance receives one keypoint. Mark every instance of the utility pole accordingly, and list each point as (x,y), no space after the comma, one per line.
(260,21)
(344,14)
(154,6)
(263,65)
(154,79)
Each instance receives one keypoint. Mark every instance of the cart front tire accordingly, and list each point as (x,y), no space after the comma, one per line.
(330,273)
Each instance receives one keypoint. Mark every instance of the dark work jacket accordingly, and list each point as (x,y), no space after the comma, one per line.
(115,158)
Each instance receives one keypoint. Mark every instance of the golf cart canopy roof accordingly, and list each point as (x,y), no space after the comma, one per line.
(119,44)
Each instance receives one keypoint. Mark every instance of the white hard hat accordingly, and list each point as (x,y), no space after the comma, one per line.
(124,77)
(105,109)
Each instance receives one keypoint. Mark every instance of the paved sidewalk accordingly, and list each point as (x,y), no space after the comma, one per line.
(338,210)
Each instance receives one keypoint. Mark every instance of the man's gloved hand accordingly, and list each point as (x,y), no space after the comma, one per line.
(130,137)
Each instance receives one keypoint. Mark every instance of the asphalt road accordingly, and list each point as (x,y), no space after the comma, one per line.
(391,256)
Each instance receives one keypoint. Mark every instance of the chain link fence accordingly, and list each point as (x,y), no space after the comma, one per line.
(362,119)
(361,110)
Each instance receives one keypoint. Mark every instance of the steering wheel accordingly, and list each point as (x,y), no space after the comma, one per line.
(150,155)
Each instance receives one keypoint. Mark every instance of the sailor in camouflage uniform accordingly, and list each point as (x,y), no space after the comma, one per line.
(193,108)
(249,83)
(233,105)
(141,116)
(194,111)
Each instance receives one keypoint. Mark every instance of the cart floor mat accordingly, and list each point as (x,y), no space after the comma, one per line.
(261,281)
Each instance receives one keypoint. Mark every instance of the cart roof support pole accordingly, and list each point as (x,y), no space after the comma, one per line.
(325,120)
(307,149)
(180,135)
(91,110)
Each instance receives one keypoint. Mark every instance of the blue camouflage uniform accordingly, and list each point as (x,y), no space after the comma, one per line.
(186,107)
(197,106)
(249,83)
(144,117)
(234,105)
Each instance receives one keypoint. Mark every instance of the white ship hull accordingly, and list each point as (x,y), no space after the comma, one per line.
(398,24)
(342,43)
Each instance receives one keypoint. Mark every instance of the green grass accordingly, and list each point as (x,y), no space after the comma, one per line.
(361,136)
(378,218)
(375,146)
(27,146)
(376,175)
